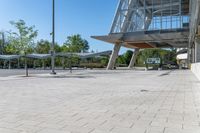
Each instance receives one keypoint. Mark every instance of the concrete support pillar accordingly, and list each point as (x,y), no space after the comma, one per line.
(133,59)
(197,50)
(9,64)
(193,53)
(113,57)
(189,56)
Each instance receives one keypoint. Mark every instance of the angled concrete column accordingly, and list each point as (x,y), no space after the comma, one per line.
(197,50)
(113,57)
(133,59)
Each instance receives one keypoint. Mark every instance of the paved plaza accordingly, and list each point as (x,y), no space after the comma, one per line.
(11,72)
(94,101)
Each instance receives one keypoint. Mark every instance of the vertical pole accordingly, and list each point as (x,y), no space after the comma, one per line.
(1,49)
(161,16)
(9,65)
(193,54)
(43,63)
(4,64)
(2,43)
(18,63)
(26,66)
(34,64)
(53,40)
(70,63)
(189,57)
(171,14)
(63,63)
(180,13)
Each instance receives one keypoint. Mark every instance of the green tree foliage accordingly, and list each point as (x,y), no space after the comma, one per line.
(22,41)
(121,60)
(166,55)
(128,55)
(57,48)
(2,41)
(104,61)
(125,58)
(75,43)
(1,46)
(43,47)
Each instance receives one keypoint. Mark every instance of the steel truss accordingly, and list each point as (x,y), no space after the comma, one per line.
(148,15)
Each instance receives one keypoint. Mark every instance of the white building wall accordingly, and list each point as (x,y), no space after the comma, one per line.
(196,69)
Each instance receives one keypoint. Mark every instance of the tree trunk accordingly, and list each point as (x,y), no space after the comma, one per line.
(26,67)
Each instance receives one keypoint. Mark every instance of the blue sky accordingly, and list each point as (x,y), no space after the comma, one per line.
(85,17)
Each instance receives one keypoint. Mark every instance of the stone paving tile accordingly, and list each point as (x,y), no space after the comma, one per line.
(7,130)
(174,130)
(121,101)
(52,131)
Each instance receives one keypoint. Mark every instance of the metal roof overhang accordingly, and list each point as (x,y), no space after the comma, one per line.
(38,56)
(149,39)
(84,55)
(96,54)
(9,57)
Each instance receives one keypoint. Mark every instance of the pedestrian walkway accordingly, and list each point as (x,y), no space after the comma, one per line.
(95,101)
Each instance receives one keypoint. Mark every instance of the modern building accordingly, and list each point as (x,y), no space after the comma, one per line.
(140,24)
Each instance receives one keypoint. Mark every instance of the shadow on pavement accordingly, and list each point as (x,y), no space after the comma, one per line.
(165,74)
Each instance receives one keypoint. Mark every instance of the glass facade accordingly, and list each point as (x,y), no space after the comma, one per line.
(150,15)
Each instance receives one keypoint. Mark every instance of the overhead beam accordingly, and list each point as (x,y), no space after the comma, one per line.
(153,7)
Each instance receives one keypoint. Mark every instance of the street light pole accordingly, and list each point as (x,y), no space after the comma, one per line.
(2,45)
(53,40)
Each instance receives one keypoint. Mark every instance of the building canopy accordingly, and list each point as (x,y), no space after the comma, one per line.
(46,56)
(9,57)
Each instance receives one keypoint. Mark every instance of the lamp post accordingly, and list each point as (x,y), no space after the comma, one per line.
(53,40)
(2,45)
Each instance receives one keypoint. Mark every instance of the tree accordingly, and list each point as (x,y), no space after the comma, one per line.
(121,60)
(1,46)
(75,43)
(127,56)
(166,55)
(22,41)
(2,42)
(43,47)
